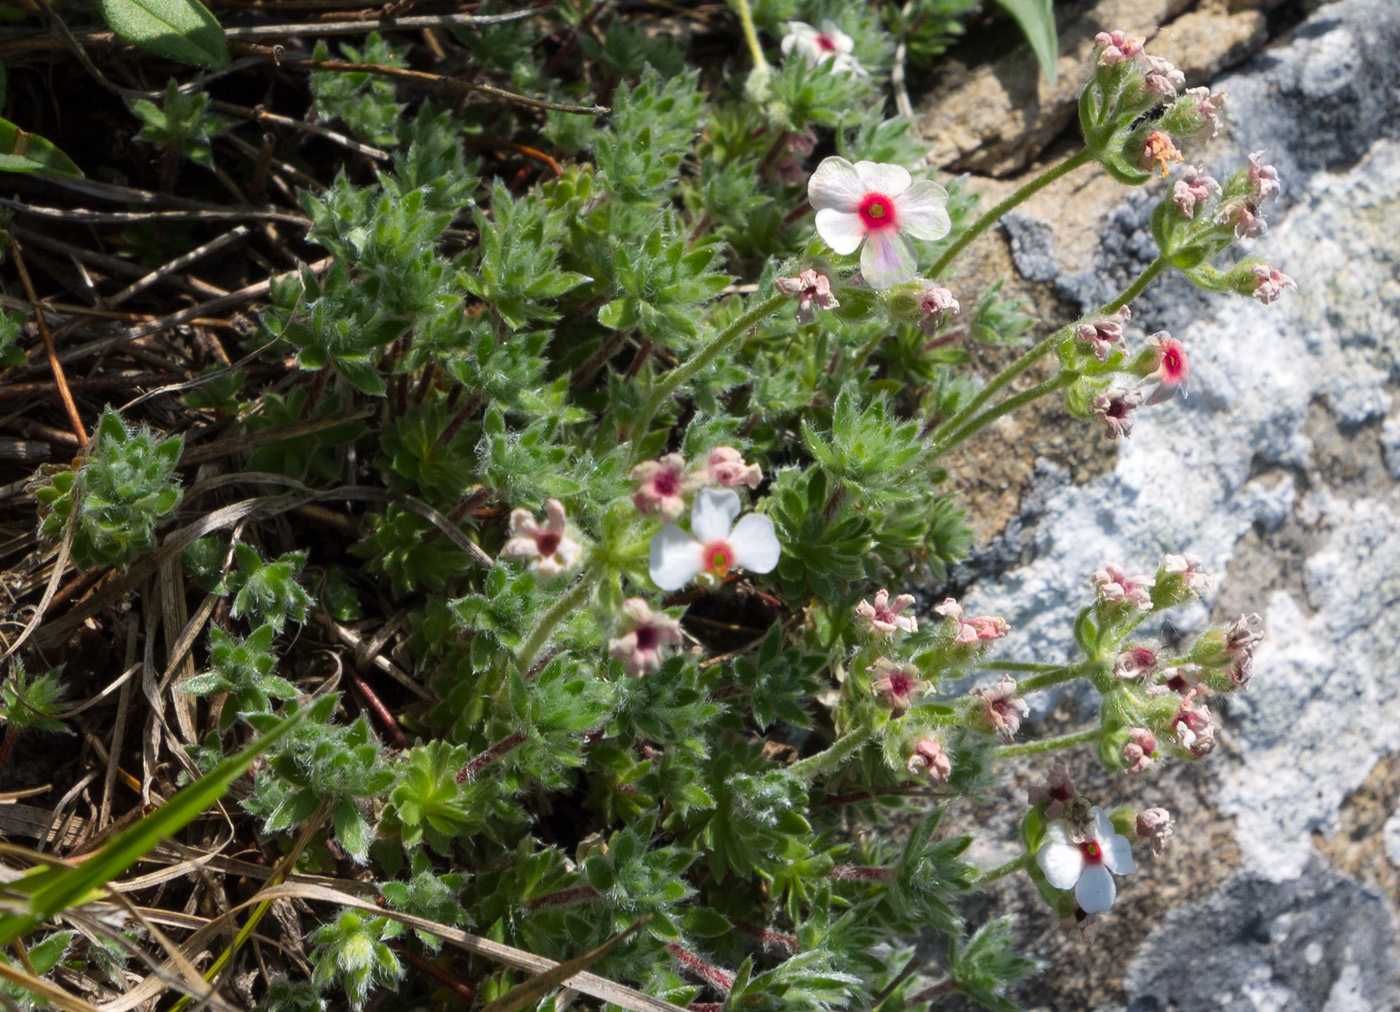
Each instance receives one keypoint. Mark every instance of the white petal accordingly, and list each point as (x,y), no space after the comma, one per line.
(891,180)
(1103,825)
(842,230)
(922,210)
(755,544)
(1118,855)
(888,260)
(835,184)
(1062,863)
(675,558)
(1056,830)
(1096,890)
(843,42)
(713,514)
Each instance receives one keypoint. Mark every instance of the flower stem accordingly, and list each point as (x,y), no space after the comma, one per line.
(1001,871)
(700,360)
(1007,406)
(1055,676)
(566,603)
(1029,358)
(1046,744)
(840,750)
(995,214)
(741,7)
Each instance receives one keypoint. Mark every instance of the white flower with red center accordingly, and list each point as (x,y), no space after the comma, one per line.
(819,46)
(971,630)
(1086,862)
(1002,708)
(1115,586)
(1271,283)
(714,545)
(663,486)
(549,548)
(726,467)
(643,637)
(897,683)
(881,206)
(883,617)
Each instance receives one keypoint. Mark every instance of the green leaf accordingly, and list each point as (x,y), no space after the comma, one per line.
(22,151)
(180,30)
(1037,21)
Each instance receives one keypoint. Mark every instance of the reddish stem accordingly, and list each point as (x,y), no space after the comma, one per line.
(511,741)
(718,979)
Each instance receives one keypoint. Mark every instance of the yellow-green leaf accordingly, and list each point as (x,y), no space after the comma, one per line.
(180,30)
(22,151)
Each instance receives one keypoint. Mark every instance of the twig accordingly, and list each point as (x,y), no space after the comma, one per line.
(237,298)
(64,393)
(133,217)
(539,156)
(439,80)
(260,115)
(176,265)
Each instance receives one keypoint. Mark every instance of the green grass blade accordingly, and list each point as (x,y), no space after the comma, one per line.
(1037,21)
(52,890)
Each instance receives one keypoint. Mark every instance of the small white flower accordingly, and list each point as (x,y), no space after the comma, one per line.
(1084,865)
(831,43)
(715,543)
(879,205)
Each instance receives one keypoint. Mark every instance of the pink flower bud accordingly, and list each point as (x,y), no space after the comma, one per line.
(971,630)
(1194,727)
(1139,751)
(1193,189)
(1241,637)
(1135,664)
(1055,793)
(1115,47)
(1114,586)
(1155,825)
(929,762)
(727,467)
(1115,409)
(936,304)
(1106,334)
(883,618)
(1002,709)
(1158,149)
(812,289)
(1210,106)
(1263,177)
(1271,284)
(896,683)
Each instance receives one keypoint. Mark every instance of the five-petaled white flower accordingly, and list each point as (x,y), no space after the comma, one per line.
(715,544)
(1084,864)
(830,43)
(879,205)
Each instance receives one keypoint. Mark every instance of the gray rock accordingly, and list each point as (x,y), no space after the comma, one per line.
(1320,941)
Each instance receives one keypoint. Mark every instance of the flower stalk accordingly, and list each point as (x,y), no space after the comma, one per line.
(844,747)
(1047,744)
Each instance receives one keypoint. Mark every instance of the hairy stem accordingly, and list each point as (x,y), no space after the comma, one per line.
(844,747)
(1047,744)
(995,214)
(700,360)
(741,7)
(558,611)
(1007,406)
(1031,356)
(1001,871)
